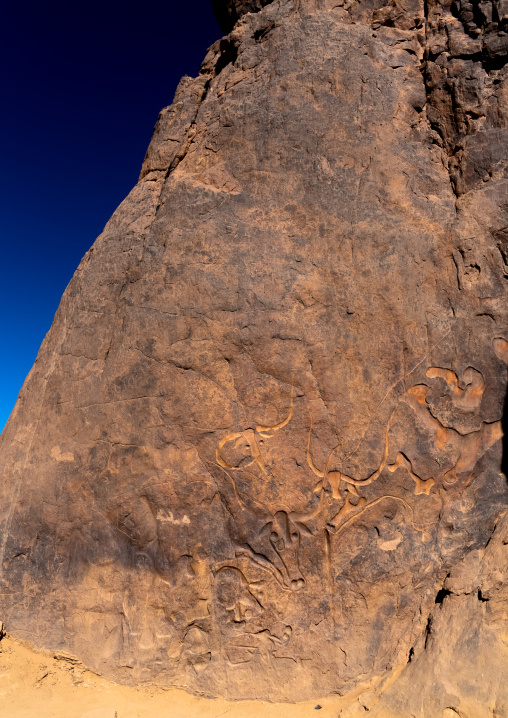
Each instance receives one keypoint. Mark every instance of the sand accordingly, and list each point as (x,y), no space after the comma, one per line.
(46,685)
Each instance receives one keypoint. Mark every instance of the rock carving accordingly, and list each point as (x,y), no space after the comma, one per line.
(273,542)
(260,454)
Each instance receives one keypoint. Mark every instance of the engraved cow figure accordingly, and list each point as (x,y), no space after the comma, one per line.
(270,541)
(466,449)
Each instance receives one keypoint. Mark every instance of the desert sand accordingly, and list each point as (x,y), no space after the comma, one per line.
(55,685)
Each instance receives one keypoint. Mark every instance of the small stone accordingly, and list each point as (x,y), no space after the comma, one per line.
(43,673)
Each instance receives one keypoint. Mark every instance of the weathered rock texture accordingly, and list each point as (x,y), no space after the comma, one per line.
(259,452)
(229,11)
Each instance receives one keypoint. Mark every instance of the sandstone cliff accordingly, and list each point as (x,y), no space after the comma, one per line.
(259,454)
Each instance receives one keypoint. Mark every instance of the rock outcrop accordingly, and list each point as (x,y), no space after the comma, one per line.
(259,453)
(228,12)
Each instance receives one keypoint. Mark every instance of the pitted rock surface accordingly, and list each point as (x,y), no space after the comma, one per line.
(260,451)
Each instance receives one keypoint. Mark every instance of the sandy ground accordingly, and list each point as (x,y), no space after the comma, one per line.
(43,685)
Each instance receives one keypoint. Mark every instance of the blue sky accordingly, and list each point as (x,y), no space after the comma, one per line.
(81,87)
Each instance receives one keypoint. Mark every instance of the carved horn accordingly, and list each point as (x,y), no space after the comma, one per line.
(261,429)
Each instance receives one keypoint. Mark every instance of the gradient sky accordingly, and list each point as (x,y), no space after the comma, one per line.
(82,85)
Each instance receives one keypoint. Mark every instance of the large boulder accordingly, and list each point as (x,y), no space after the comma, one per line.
(259,453)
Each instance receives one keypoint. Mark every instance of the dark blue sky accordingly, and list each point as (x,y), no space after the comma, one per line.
(81,88)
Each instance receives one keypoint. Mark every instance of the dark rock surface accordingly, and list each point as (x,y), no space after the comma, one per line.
(229,11)
(259,453)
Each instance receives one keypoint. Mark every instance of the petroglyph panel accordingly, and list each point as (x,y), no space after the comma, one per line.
(282,428)
(251,552)
(272,539)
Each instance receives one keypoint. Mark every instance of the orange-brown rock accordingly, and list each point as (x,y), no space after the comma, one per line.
(259,454)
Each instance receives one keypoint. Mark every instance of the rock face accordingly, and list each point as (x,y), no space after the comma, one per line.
(259,452)
(229,11)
